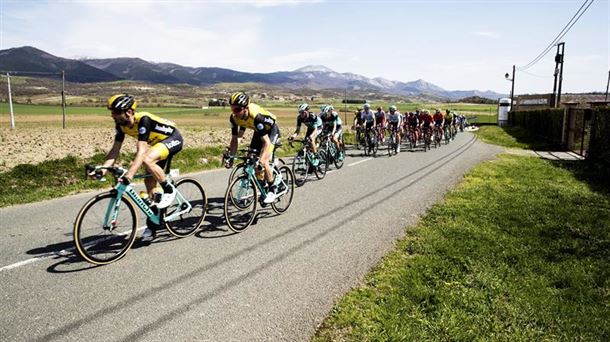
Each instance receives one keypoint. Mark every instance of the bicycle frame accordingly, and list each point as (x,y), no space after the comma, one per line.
(122,189)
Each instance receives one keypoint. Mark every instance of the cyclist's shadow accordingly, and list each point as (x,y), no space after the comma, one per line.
(216,226)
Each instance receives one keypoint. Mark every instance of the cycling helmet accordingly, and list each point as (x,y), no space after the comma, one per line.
(392,108)
(303,107)
(379,108)
(328,109)
(367,106)
(122,102)
(239,99)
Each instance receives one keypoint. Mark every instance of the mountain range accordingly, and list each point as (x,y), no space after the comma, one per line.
(29,60)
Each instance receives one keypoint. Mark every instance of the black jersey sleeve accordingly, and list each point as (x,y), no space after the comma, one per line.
(144,128)
(263,124)
(119,135)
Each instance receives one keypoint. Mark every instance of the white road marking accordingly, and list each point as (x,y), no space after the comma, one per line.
(358,162)
(63,252)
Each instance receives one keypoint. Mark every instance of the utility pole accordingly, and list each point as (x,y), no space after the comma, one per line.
(512,90)
(558,72)
(607,85)
(63,98)
(560,58)
(10,100)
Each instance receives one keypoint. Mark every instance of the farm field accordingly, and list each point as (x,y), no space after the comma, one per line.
(38,133)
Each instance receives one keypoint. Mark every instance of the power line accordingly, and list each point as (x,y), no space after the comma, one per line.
(559,36)
(535,75)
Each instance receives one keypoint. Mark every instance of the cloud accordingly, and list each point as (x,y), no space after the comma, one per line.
(276,3)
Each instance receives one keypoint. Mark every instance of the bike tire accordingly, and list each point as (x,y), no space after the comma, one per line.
(300,168)
(322,168)
(284,201)
(234,172)
(186,224)
(341,158)
(103,246)
(240,203)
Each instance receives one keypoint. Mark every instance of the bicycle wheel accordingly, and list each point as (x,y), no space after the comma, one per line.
(300,168)
(102,245)
(190,192)
(390,145)
(286,189)
(322,167)
(234,172)
(375,147)
(341,156)
(240,203)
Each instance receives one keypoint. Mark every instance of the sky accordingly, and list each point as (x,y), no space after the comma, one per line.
(457,45)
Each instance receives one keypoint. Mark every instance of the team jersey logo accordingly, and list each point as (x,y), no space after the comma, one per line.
(142,130)
(260,126)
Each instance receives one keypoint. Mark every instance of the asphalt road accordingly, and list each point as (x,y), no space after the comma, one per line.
(276,281)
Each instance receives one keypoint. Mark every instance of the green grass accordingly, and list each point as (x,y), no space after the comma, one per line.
(512,137)
(519,251)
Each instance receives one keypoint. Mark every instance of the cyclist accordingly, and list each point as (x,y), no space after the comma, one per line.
(412,125)
(439,120)
(380,123)
(369,121)
(332,124)
(314,126)
(245,114)
(448,124)
(395,124)
(158,140)
(426,123)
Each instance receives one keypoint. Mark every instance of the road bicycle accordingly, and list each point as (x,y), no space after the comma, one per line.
(360,140)
(437,136)
(106,226)
(247,190)
(371,143)
(427,135)
(393,142)
(412,136)
(328,149)
(306,162)
(239,166)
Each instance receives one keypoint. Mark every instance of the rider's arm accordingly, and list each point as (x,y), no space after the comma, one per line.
(142,148)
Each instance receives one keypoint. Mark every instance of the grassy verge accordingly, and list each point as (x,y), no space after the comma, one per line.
(520,251)
(28,183)
(512,137)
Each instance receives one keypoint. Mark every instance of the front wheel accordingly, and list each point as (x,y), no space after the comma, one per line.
(285,191)
(322,167)
(190,192)
(300,168)
(340,156)
(103,230)
(240,203)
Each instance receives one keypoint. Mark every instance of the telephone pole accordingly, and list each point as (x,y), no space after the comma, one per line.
(558,72)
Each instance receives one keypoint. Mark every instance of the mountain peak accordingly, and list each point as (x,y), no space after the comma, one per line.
(314,68)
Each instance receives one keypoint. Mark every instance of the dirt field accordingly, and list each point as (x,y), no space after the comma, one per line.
(34,145)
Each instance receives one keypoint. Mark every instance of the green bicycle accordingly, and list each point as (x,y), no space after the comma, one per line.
(242,195)
(106,226)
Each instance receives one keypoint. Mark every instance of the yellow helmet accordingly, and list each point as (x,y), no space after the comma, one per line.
(239,99)
(122,102)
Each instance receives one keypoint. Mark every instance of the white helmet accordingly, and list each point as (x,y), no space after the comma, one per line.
(303,107)
(367,106)
(392,108)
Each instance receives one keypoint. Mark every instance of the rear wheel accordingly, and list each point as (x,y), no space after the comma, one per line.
(286,191)
(190,192)
(102,245)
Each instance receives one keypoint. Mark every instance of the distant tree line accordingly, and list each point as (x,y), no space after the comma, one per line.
(476,99)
